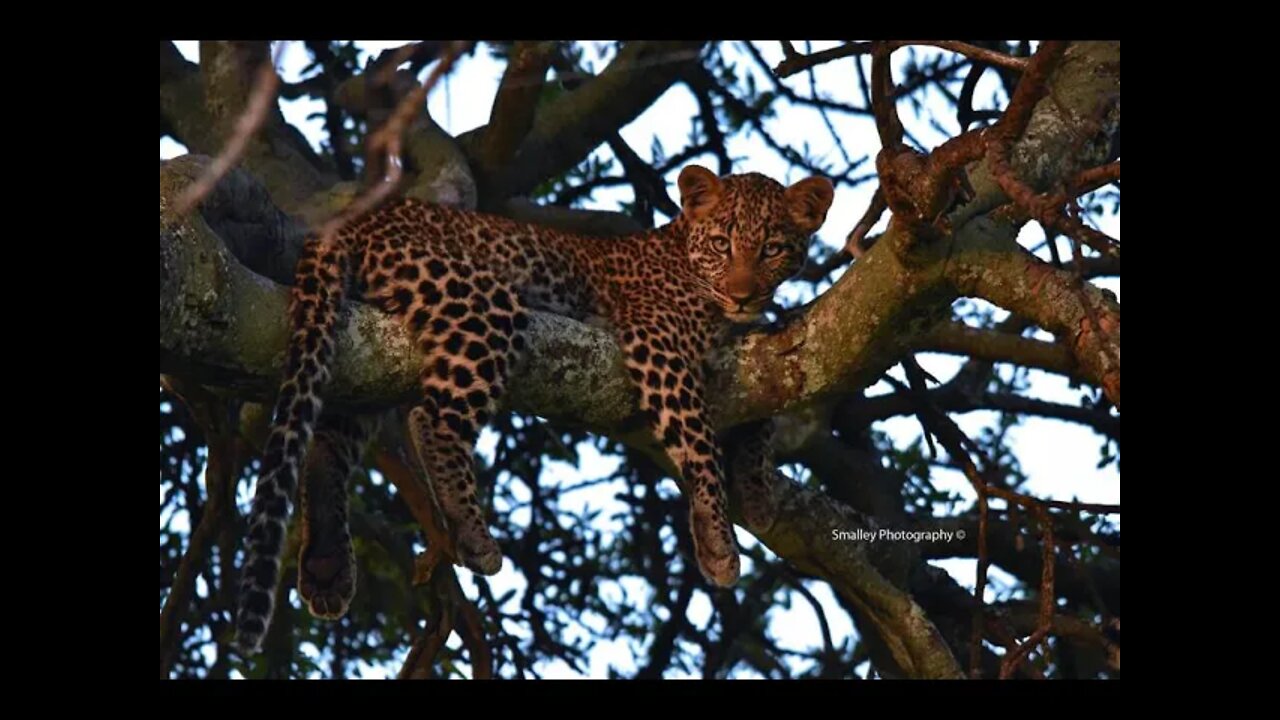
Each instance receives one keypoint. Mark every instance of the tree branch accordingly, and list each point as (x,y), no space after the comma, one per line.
(260,100)
(278,154)
(1056,300)
(796,63)
(221,473)
(1022,556)
(959,339)
(953,397)
(514,106)
(569,128)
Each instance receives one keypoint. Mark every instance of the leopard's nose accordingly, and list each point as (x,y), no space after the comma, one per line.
(740,295)
(741,287)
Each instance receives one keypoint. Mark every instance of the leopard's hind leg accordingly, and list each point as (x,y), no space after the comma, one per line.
(326,561)
(749,449)
(471,337)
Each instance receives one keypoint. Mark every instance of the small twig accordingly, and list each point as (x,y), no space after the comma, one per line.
(222,469)
(973,52)
(711,126)
(647,182)
(882,103)
(836,260)
(794,63)
(1067,224)
(815,101)
(955,441)
(999,630)
(827,646)
(698,77)
(813,90)
(1094,178)
(863,85)
(472,632)
(255,113)
(1012,659)
(917,389)
(979,585)
(853,244)
(964,104)
(417,665)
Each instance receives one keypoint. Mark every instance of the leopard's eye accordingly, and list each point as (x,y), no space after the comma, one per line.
(721,244)
(772,249)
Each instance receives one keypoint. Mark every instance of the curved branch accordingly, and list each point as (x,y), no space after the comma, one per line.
(997,269)
(797,62)
(239,209)
(953,398)
(993,345)
(182,109)
(513,107)
(569,128)
(260,100)
(278,154)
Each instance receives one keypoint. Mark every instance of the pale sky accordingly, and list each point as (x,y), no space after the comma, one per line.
(1059,458)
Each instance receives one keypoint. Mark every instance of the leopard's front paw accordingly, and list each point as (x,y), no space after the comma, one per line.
(327,582)
(716,549)
(479,552)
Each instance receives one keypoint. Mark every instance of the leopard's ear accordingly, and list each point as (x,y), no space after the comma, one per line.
(808,202)
(699,191)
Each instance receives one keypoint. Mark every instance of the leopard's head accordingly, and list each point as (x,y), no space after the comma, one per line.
(747,234)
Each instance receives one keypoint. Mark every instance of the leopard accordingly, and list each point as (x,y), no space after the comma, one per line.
(464,284)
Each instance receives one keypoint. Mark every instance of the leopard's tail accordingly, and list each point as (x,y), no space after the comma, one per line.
(317,295)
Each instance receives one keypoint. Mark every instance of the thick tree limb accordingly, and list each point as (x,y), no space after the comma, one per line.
(514,106)
(278,154)
(240,210)
(260,101)
(182,111)
(569,128)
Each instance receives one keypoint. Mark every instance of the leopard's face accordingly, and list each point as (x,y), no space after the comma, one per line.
(748,233)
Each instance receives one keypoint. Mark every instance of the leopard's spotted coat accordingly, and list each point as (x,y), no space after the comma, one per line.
(463,282)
